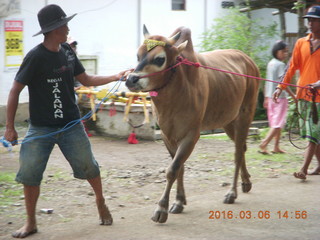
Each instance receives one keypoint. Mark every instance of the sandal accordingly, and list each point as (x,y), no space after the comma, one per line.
(263,152)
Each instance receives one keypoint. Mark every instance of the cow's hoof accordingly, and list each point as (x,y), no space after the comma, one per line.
(160,216)
(229,198)
(176,208)
(246,187)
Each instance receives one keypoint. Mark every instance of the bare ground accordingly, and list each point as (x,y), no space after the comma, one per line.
(134,178)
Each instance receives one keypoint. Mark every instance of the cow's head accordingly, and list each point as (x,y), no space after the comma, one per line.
(155,55)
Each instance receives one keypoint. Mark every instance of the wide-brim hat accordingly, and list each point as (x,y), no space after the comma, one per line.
(313,12)
(52,17)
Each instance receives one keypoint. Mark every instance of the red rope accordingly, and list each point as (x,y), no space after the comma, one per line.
(165,70)
(185,61)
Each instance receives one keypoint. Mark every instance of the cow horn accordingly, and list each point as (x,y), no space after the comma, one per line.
(182,46)
(174,38)
(145,32)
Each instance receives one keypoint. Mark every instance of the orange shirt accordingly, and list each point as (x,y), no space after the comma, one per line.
(307,63)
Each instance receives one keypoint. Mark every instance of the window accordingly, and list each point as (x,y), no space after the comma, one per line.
(178,4)
(227,4)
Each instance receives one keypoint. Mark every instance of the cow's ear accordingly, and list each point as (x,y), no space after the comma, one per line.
(145,32)
(182,46)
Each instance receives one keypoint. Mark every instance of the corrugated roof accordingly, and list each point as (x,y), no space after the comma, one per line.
(284,5)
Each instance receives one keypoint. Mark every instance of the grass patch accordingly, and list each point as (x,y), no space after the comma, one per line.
(10,192)
(279,163)
(259,165)
(220,136)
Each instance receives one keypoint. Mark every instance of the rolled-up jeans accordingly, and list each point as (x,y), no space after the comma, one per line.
(37,147)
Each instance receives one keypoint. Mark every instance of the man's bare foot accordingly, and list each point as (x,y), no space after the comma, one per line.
(25,231)
(105,215)
(300,175)
(315,171)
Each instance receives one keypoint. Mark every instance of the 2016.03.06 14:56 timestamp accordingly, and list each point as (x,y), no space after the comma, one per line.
(262,214)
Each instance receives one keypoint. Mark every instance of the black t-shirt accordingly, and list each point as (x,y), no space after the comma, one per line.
(50,80)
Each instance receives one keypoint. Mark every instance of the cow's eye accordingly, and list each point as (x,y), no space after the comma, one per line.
(158,61)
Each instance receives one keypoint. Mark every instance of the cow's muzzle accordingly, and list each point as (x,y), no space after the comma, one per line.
(132,81)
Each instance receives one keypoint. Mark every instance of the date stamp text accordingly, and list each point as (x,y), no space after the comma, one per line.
(261,214)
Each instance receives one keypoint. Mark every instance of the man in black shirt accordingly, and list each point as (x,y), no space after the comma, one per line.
(49,70)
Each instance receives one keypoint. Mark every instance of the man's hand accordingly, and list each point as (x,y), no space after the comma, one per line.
(124,74)
(315,85)
(11,136)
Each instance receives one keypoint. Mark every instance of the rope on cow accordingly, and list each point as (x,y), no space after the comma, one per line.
(310,91)
(181,60)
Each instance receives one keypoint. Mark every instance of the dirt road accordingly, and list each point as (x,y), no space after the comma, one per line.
(278,206)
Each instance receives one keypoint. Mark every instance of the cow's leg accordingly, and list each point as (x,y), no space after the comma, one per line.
(245,176)
(238,135)
(183,152)
(232,193)
(244,122)
(177,206)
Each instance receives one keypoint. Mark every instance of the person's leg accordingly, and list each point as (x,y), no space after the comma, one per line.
(267,140)
(310,151)
(272,112)
(105,216)
(316,171)
(31,195)
(277,136)
(76,147)
(34,155)
(277,113)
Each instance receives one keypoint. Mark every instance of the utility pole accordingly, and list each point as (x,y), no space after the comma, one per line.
(301,12)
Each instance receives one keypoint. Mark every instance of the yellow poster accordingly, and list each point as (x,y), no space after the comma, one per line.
(13,43)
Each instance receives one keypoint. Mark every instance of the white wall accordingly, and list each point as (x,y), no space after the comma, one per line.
(165,21)
(29,17)
(265,17)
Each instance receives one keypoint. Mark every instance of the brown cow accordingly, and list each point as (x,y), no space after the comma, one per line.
(192,99)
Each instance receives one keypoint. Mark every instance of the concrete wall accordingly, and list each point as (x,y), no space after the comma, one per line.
(21,116)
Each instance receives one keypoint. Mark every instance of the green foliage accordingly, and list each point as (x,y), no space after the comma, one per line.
(298,5)
(236,30)
(9,190)
(293,118)
(261,113)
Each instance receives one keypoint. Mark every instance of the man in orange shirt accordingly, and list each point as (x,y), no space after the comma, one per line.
(306,59)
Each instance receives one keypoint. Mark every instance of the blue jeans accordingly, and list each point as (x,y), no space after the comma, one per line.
(73,143)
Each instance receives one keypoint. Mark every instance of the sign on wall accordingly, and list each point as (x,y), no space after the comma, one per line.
(13,43)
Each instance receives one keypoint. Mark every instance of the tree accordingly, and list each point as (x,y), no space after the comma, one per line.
(236,30)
